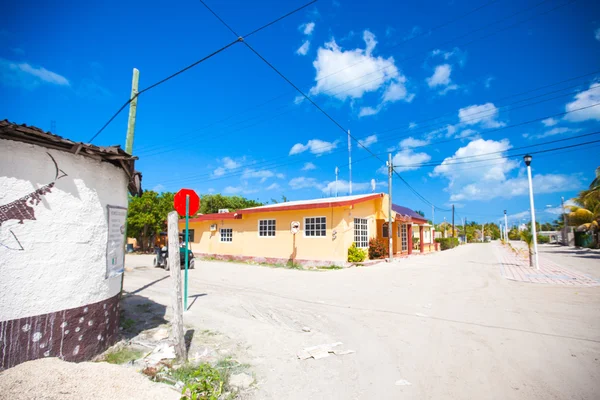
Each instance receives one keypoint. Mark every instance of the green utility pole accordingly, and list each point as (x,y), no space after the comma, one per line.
(132,111)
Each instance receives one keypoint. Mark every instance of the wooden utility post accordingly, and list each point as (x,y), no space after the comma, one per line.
(390,240)
(132,112)
(176,296)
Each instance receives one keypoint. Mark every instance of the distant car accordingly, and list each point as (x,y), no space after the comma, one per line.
(161,260)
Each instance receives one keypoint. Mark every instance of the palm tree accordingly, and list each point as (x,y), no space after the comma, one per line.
(586,213)
(527,237)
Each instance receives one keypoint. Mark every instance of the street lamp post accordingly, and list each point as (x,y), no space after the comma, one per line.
(527,160)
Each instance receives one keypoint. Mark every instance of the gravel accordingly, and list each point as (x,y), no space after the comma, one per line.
(52,378)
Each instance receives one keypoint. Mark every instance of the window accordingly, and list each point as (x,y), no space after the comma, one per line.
(361,232)
(226,235)
(315,226)
(404,232)
(190,234)
(266,227)
(384,230)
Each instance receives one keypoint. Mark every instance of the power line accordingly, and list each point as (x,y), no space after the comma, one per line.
(239,39)
(414,55)
(238,173)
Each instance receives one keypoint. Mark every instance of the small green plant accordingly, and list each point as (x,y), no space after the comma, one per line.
(447,243)
(293,265)
(126,323)
(527,237)
(334,267)
(543,239)
(377,249)
(205,383)
(122,356)
(354,254)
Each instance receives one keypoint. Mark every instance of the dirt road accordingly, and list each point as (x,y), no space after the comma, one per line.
(446,323)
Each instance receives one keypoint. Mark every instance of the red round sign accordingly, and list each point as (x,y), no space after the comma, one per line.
(179,202)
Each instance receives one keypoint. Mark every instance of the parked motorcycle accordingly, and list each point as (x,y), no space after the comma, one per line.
(161,260)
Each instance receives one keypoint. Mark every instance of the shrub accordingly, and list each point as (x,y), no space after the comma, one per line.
(355,254)
(447,243)
(543,239)
(206,382)
(377,249)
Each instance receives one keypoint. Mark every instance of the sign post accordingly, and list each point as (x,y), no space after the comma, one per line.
(186,201)
(294,228)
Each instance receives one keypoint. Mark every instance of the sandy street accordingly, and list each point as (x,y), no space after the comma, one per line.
(441,326)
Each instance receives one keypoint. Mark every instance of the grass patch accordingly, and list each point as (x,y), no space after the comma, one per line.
(330,267)
(122,356)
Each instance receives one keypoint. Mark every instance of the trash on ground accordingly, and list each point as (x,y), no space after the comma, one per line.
(306,329)
(403,382)
(161,352)
(322,351)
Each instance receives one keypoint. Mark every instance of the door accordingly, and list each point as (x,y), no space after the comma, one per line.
(404,237)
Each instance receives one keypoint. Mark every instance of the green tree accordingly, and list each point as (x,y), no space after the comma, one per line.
(421,213)
(527,237)
(212,203)
(147,216)
(585,215)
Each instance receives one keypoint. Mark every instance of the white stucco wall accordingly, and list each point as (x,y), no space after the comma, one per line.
(63,263)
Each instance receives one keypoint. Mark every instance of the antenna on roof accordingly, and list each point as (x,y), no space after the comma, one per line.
(373,185)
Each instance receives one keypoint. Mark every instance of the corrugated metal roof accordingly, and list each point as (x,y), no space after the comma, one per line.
(112,154)
(406,211)
(313,203)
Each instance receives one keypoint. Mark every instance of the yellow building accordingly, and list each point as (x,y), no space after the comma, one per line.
(326,228)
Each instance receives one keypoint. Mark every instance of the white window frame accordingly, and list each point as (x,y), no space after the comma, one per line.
(230,236)
(267,228)
(354,232)
(315,236)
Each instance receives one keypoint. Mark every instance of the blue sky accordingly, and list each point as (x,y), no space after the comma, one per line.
(421,81)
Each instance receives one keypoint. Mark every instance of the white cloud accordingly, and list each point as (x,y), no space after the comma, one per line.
(28,76)
(273,186)
(491,180)
(303,182)
(441,76)
(597,34)
(220,171)
(343,187)
(411,142)
(307,28)
(366,111)
(549,122)
(466,133)
(302,50)
(412,125)
(358,71)
(488,82)
(228,164)
(397,91)
(483,114)
(159,188)
(416,30)
(405,158)
(315,146)
(587,98)
(368,141)
(309,166)
(238,190)
(263,175)
(552,132)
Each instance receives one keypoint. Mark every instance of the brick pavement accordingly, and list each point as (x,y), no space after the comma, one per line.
(516,267)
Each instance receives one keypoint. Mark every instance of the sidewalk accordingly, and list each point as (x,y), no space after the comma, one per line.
(516,267)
